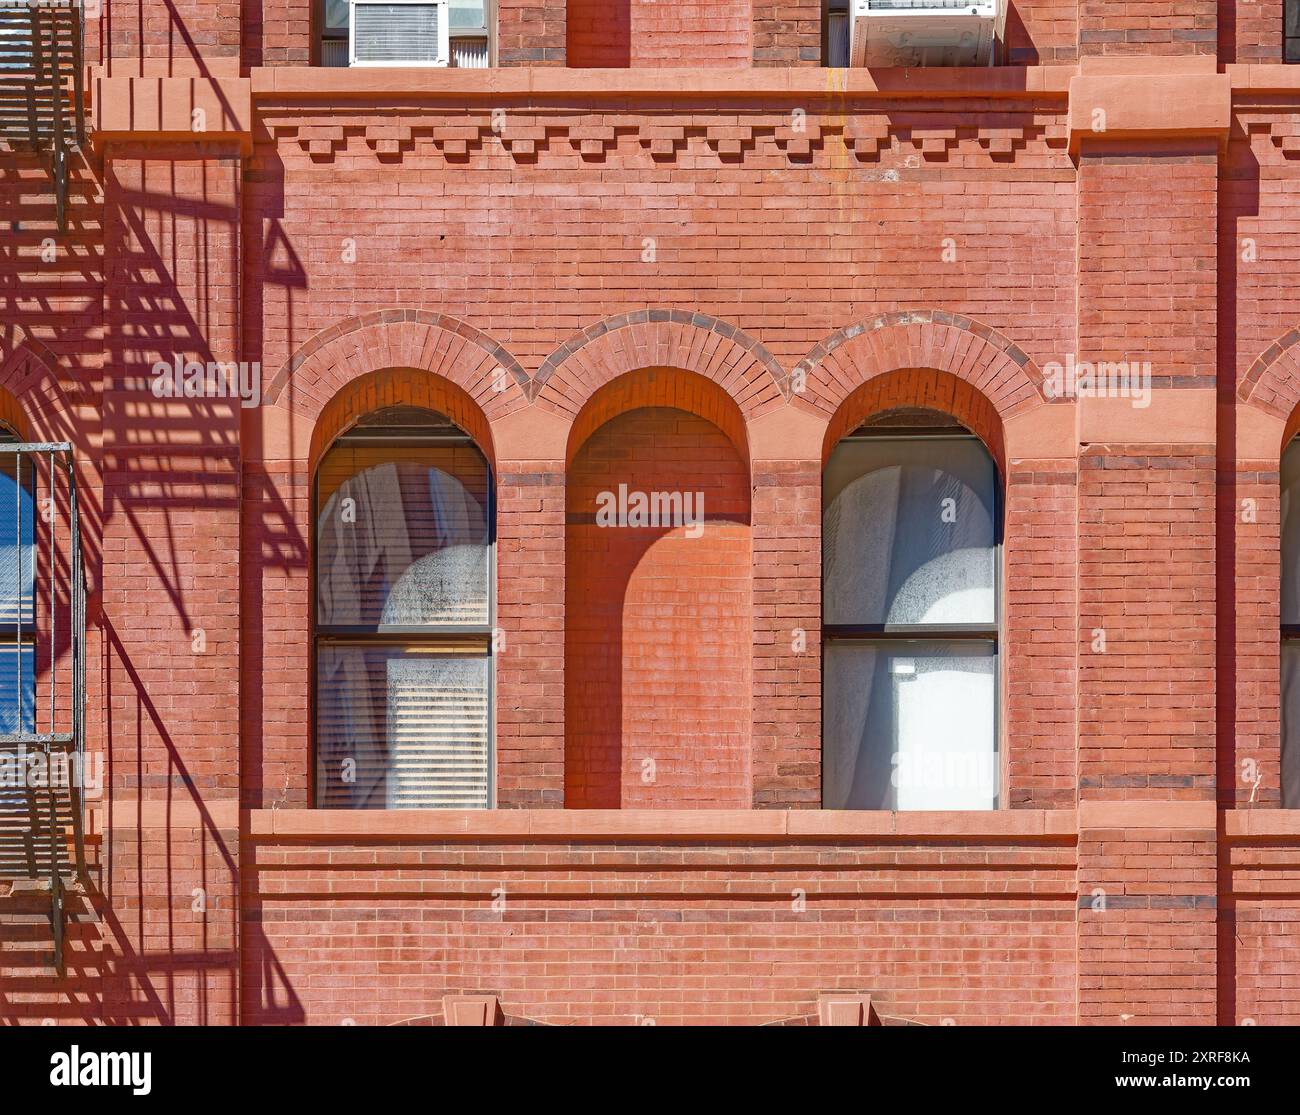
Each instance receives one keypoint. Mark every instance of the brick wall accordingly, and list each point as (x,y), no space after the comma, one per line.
(531,32)
(1148,27)
(657,33)
(648,937)
(1258,931)
(1250,32)
(184,37)
(887,199)
(787,32)
(1041,32)
(279,33)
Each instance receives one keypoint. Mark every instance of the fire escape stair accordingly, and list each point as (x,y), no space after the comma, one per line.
(42,102)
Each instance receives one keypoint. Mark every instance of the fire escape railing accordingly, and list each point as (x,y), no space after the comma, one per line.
(43,720)
(40,53)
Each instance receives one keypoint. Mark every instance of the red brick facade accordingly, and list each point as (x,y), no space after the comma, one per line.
(659,244)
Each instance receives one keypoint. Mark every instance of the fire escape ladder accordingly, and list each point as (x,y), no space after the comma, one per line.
(40,57)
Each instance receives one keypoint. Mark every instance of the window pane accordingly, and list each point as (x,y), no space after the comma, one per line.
(909,726)
(403,536)
(16,541)
(908,532)
(466,15)
(17,688)
(412,720)
(336,14)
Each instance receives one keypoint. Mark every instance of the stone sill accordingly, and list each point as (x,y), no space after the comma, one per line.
(1007,825)
(655,824)
(1274,77)
(1250,824)
(274,82)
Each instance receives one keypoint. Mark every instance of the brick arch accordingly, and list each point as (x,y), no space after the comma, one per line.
(415,339)
(660,387)
(943,342)
(1272,383)
(694,342)
(399,387)
(32,400)
(923,387)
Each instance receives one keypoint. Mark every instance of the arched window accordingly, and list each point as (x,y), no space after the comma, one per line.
(17,589)
(910,617)
(1290,602)
(404,609)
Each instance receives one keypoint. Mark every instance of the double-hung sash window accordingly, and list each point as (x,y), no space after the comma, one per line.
(910,621)
(404,606)
(1291,31)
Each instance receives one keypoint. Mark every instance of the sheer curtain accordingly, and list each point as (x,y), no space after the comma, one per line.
(403,607)
(910,620)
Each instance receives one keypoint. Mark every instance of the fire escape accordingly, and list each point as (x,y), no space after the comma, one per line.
(42,107)
(43,772)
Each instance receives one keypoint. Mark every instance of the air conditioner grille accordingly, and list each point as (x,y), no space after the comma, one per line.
(396,32)
(928,5)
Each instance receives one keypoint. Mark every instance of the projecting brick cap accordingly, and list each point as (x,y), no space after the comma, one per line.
(472,1010)
(846,1008)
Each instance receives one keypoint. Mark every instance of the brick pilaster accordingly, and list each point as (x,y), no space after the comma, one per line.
(787,519)
(171,582)
(530,615)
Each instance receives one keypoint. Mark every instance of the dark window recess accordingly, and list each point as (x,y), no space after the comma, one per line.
(1291,30)
(836,33)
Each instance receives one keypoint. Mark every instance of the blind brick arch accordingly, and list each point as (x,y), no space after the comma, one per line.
(658,618)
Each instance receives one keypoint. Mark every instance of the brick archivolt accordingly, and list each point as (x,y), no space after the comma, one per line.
(915,357)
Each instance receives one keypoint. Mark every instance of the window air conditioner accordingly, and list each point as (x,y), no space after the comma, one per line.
(926,32)
(399,33)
